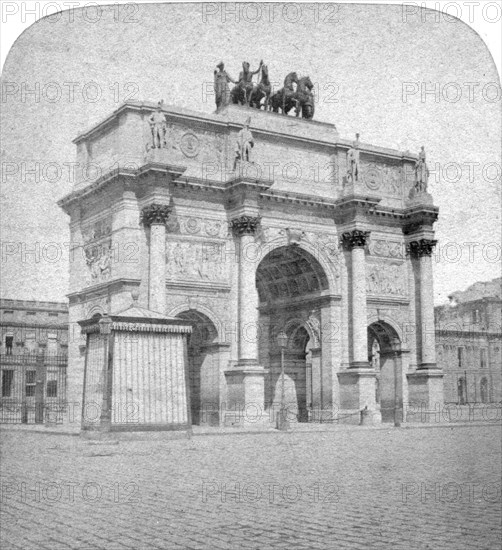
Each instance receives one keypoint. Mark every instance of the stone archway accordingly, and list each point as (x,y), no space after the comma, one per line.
(291,285)
(203,368)
(388,367)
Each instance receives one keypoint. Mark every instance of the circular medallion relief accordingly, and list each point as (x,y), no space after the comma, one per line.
(373,178)
(190,144)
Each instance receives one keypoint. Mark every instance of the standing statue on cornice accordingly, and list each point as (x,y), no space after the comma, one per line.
(221,80)
(421,173)
(242,91)
(244,144)
(158,127)
(353,161)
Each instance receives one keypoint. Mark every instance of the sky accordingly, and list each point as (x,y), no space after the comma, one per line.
(400,79)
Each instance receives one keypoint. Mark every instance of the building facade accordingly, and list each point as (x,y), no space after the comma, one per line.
(248,223)
(33,353)
(469,344)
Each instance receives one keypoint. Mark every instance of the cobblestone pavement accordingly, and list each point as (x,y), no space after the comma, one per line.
(424,488)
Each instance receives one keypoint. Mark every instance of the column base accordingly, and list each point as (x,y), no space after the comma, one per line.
(246,396)
(358,391)
(425,388)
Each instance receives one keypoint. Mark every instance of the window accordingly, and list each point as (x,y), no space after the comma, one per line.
(475,316)
(483,358)
(30,341)
(53,314)
(483,390)
(462,391)
(460,356)
(31,382)
(31,313)
(9,340)
(7,382)
(8,312)
(52,388)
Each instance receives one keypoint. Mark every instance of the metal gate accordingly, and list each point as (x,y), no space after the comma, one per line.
(33,388)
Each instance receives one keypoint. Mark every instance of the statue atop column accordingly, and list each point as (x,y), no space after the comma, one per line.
(244,144)
(353,161)
(221,80)
(158,127)
(421,173)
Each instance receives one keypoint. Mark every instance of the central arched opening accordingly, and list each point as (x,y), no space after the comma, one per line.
(291,285)
(387,364)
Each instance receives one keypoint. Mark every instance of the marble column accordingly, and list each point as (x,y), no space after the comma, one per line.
(155,217)
(245,228)
(425,384)
(246,381)
(421,250)
(355,241)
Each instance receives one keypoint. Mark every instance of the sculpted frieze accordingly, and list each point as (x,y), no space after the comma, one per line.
(384,178)
(196,225)
(386,248)
(196,261)
(386,280)
(97,230)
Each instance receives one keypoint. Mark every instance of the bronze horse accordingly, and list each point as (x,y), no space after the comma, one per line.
(301,99)
(262,90)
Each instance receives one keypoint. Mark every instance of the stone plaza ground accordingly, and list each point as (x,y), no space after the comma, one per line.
(330,487)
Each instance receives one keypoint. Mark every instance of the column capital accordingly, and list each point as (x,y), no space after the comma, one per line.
(245,225)
(355,239)
(155,214)
(420,248)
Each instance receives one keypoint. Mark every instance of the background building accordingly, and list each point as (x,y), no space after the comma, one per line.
(33,353)
(469,343)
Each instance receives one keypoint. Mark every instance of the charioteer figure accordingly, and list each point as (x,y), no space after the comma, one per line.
(242,91)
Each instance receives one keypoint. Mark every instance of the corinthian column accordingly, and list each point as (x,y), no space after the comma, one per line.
(245,228)
(355,241)
(155,216)
(421,251)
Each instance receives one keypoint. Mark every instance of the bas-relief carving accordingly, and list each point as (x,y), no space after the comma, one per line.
(386,280)
(98,258)
(385,248)
(196,261)
(97,230)
(384,178)
(98,250)
(196,225)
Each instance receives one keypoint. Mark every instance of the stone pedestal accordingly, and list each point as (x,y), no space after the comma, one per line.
(245,391)
(357,392)
(425,392)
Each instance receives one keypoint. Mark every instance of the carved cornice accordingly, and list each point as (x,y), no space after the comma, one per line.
(355,239)
(423,247)
(245,225)
(155,214)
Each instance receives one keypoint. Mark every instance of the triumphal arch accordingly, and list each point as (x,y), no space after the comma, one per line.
(247,223)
